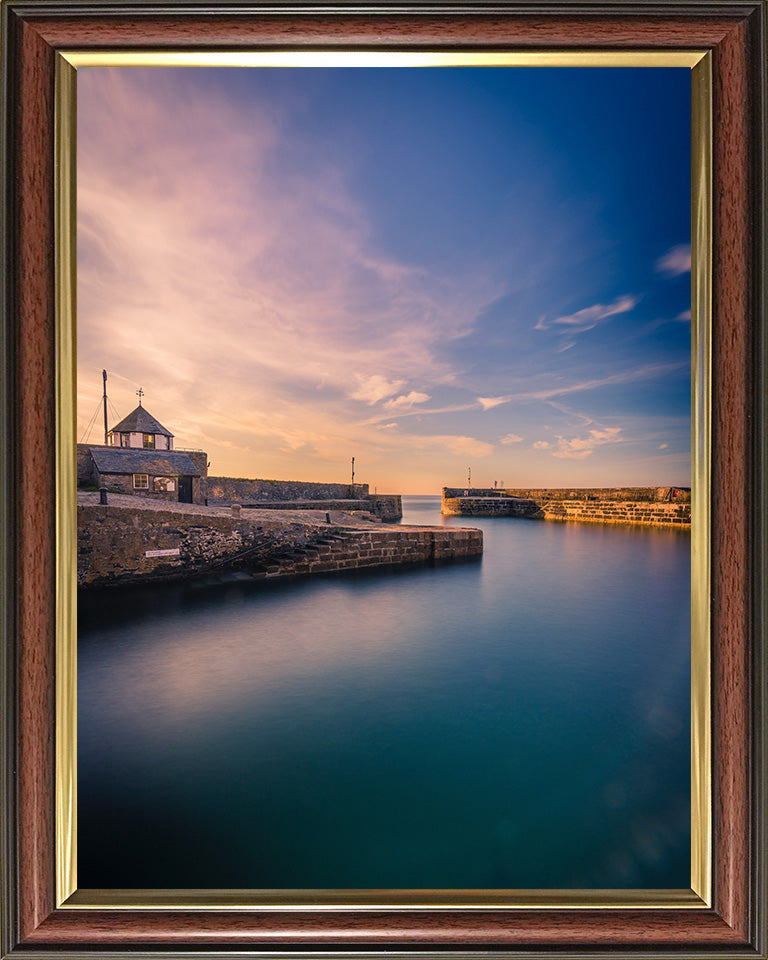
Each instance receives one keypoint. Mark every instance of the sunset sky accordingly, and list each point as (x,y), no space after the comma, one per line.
(428,269)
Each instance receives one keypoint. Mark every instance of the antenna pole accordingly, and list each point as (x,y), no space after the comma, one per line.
(353,471)
(106,429)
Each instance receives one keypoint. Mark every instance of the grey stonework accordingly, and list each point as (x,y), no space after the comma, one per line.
(264,494)
(615,507)
(89,475)
(634,494)
(388,507)
(113,542)
(236,490)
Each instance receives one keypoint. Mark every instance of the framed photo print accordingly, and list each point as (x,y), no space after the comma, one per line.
(384,447)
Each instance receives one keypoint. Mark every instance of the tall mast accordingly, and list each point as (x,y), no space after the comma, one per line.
(106,429)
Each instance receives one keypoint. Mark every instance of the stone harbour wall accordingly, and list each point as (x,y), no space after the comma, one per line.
(650,506)
(238,490)
(387,507)
(617,511)
(114,543)
(489,507)
(381,548)
(634,494)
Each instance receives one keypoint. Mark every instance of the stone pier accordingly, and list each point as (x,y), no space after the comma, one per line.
(132,540)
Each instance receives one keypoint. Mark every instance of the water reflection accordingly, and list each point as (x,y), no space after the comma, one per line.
(522,722)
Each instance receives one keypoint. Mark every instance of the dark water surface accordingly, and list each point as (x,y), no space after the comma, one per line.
(517,722)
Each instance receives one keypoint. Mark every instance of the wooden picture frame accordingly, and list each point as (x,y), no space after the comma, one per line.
(735,923)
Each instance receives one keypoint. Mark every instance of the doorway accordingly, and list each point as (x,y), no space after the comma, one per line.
(185,489)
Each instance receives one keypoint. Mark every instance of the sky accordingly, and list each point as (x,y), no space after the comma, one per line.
(431,270)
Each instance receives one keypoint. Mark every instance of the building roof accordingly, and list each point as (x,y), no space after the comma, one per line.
(139,421)
(158,463)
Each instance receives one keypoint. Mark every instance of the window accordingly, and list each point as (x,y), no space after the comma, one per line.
(149,441)
(140,481)
(165,484)
(125,439)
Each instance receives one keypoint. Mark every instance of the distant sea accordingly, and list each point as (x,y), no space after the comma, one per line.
(517,722)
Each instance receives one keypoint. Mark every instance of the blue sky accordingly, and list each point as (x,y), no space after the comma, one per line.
(428,269)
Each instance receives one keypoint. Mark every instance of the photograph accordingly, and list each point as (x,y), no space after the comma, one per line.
(384,477)
(383,509)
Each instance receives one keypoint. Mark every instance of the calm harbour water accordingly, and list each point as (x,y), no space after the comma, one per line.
(522,721)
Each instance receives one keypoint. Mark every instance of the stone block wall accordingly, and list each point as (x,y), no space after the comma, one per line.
(113,543)
(387,507)
(613,511)
(636,505)
(489,507)
(635,494)
(123,483)
(85,465)
(200,460)
(238,490)
(88,476)
(383,548)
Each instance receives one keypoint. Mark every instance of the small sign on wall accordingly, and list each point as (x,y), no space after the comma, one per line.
(162,553)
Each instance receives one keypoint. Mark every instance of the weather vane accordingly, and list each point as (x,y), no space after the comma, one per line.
(139,394)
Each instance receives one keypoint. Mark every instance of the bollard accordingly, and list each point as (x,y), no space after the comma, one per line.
(327,518)
(103,496)
(235,508)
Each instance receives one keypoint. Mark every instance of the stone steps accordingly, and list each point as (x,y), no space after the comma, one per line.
(359,550)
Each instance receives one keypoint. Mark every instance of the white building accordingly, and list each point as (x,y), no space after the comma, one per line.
(140,429)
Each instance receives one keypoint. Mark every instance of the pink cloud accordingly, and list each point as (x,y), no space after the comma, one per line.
(676,261)
(589,317)
(406,401)
(244,298)
(488,403)
(580,447)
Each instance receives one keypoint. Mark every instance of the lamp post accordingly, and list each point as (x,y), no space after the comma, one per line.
(106,430)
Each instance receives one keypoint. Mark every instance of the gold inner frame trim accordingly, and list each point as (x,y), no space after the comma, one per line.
(371,58)
(67,894)
(65,127)
(701,445)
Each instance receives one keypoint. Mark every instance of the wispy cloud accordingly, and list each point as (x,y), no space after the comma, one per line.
(282,314)
(647,372)
(570,412)
(488,403)
(374,388)
(406,401)
(417,411)
(245,295)
(683,317)
(592,315)
(676,261)
(579,448)
(588,317)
